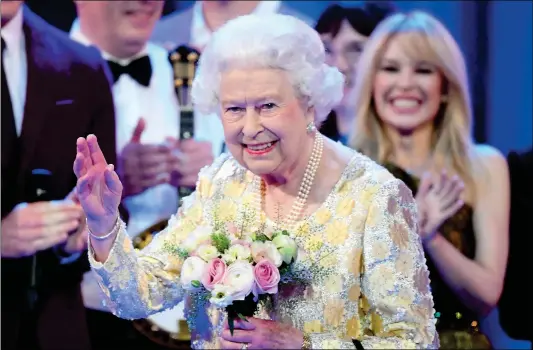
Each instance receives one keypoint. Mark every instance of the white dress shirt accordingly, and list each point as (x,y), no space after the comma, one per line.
(16,66)
(158,105)
(200,32)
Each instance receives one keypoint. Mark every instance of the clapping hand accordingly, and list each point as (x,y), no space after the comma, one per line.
(438,198)
(99,189)
(142,166)
(255,333)
(32,227)
(193,155)
(77,240)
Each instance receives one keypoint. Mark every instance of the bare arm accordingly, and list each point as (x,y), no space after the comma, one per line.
(480,281)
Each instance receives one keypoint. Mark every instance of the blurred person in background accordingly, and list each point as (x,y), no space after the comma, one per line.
(515,305)
(344,31)
(53,91)
(151,161)
(413,115)
(194,26)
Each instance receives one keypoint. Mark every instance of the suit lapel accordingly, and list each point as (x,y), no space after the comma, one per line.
(38,99)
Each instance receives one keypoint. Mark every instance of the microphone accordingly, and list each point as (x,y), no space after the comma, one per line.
(38,189)
(39,186)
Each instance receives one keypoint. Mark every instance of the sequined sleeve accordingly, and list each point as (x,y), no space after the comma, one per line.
(136,284)
(396,306)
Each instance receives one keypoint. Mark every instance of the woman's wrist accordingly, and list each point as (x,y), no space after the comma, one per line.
(429,239)
(110,234)
(102,228)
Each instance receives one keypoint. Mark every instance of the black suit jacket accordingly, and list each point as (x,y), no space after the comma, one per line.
(68,96)
(515,304)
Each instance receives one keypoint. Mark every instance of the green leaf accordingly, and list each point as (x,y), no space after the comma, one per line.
(262,238)
(285,232)
(183,253)
(243,317)
(220,241)
(175,250)
(284,269)
(196,284)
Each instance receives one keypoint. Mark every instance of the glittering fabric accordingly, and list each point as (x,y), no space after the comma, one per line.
(360,259)
(457,325)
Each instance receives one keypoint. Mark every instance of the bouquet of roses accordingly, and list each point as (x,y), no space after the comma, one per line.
(235,270)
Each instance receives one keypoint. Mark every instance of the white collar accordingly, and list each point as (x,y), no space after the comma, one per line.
(77,35)
(12,32)
(201,32)
(264,7)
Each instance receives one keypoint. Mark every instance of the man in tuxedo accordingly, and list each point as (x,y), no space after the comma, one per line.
(53,91)
(148,128)
(194,25)
(515,304)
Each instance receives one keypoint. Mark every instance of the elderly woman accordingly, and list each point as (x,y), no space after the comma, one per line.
(414,117)
(354,223)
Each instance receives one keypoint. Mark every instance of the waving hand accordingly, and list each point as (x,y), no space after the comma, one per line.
(99,188)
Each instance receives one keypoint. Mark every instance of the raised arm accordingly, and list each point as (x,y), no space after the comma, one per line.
(396,303)
(479,281)
(135,284)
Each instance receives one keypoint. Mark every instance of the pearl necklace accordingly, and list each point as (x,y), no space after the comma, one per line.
(303,193)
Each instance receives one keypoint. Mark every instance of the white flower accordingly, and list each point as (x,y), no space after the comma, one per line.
(221,296)
(240,278)
(266,250)
(236,252)
(286,247)
(207,252)
(191,273)
(199,236)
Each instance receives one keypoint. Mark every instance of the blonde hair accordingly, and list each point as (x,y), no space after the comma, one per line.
(424,38)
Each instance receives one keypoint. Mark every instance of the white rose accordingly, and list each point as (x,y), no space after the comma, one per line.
(266,250)
(199,236)
(236,252)
(221,296)
(191,273)
(240,278)
(207,252)
(286,247)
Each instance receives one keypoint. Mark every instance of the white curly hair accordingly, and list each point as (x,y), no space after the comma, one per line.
(269,41)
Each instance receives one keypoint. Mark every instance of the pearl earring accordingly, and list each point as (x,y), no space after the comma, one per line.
(311,127)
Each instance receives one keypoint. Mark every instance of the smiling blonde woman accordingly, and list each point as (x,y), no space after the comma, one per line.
(413,115)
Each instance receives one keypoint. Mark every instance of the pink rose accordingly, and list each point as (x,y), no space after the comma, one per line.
(214,273)
(266,277)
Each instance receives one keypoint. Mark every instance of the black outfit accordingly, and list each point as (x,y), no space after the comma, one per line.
(68,96)
(329,127)
(515,304)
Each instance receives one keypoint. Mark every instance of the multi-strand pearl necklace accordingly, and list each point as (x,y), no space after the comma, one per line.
(305,187)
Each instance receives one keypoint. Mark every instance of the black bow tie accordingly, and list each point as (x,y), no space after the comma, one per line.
(139,69)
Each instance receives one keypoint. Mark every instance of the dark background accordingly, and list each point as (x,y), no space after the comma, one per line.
(495,37)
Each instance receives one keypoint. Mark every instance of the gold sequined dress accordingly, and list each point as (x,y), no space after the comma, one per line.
(457,325)
(367,275)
